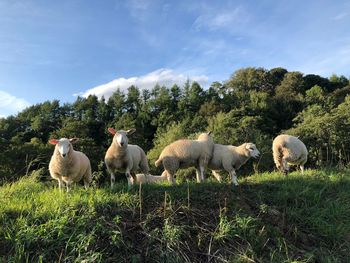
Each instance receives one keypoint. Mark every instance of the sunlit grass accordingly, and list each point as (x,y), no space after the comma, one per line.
(268,218)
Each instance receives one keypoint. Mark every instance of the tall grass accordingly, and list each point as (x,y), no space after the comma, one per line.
(268,218)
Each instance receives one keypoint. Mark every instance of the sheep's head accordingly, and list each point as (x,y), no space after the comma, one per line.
(206,136)
(252,150)
(63,145)
(121,136)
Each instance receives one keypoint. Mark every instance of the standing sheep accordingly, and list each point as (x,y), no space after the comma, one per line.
(230,158)
(125,157)
(187,153)
(288,150)
(67,165)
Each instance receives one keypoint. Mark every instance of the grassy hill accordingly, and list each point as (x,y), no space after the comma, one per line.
(268,218)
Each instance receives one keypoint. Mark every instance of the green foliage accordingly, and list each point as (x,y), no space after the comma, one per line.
(325,133)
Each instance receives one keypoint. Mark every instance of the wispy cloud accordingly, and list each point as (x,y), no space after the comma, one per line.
(230,20)
(340,16)
(335,61)
(139,9)
(166,77)
(10,104)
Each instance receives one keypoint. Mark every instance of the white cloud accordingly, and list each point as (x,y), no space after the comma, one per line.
(10,104)
(166,77)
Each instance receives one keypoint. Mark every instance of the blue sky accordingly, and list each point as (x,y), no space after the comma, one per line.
(61,49)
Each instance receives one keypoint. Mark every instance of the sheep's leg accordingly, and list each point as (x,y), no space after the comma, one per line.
(129,178)
(216,175)
(171,164)
(164,174)
(170,177)
(198,176)
(133,177)
(112,179)
(60,183)
(234,177)
(201,169)
(86,184)
(285,167)
(68,184)
(87,178)
(302,169)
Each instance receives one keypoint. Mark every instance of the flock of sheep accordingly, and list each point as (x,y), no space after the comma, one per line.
(67,165)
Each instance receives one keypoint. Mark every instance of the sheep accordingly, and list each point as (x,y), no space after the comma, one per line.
(187,153)
(289,150)
(230,158)
(67,165)
(148,178)
(125,157)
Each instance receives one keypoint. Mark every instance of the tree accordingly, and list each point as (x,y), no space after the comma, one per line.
(316,95)
(338,82)
(133,101)
(248,79)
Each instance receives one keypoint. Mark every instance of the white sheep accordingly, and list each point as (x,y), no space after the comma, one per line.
(187,153)
(125,157)
(288,150)
(230,158)
(67,165)
(150,179)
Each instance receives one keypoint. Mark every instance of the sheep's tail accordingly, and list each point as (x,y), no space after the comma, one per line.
(158,162)
(277,153)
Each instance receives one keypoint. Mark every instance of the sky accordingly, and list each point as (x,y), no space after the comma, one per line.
(68,48)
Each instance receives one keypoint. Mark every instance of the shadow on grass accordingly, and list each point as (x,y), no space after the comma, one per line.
(268,218)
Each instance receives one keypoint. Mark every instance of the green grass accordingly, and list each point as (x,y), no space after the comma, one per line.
(268,218)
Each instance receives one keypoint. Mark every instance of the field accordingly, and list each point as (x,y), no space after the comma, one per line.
(268,218)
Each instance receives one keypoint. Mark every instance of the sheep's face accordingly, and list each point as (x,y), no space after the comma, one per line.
(121,136)
(252,150)
(63,145)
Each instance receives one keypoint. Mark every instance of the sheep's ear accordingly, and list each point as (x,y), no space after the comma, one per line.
(209,133)
(74,140)
(112,131)
(131,131)
(53,141)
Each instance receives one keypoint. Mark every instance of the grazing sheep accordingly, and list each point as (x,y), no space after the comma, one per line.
(67,165)
(187,153)
(230,158)
(125,157)
(288,150)
(150,179)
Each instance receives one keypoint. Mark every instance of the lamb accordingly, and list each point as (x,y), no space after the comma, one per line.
(150,179)
(230,158)
(67,165)
(125,157)
(187,153)
(289,150)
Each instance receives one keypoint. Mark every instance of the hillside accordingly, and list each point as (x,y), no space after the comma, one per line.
(268,218)
(253,105)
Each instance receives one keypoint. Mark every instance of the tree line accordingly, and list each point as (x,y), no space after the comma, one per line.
(254,104)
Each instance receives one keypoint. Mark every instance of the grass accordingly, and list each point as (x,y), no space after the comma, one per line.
(268,218)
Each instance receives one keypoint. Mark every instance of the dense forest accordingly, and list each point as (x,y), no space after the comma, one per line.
(254,104)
